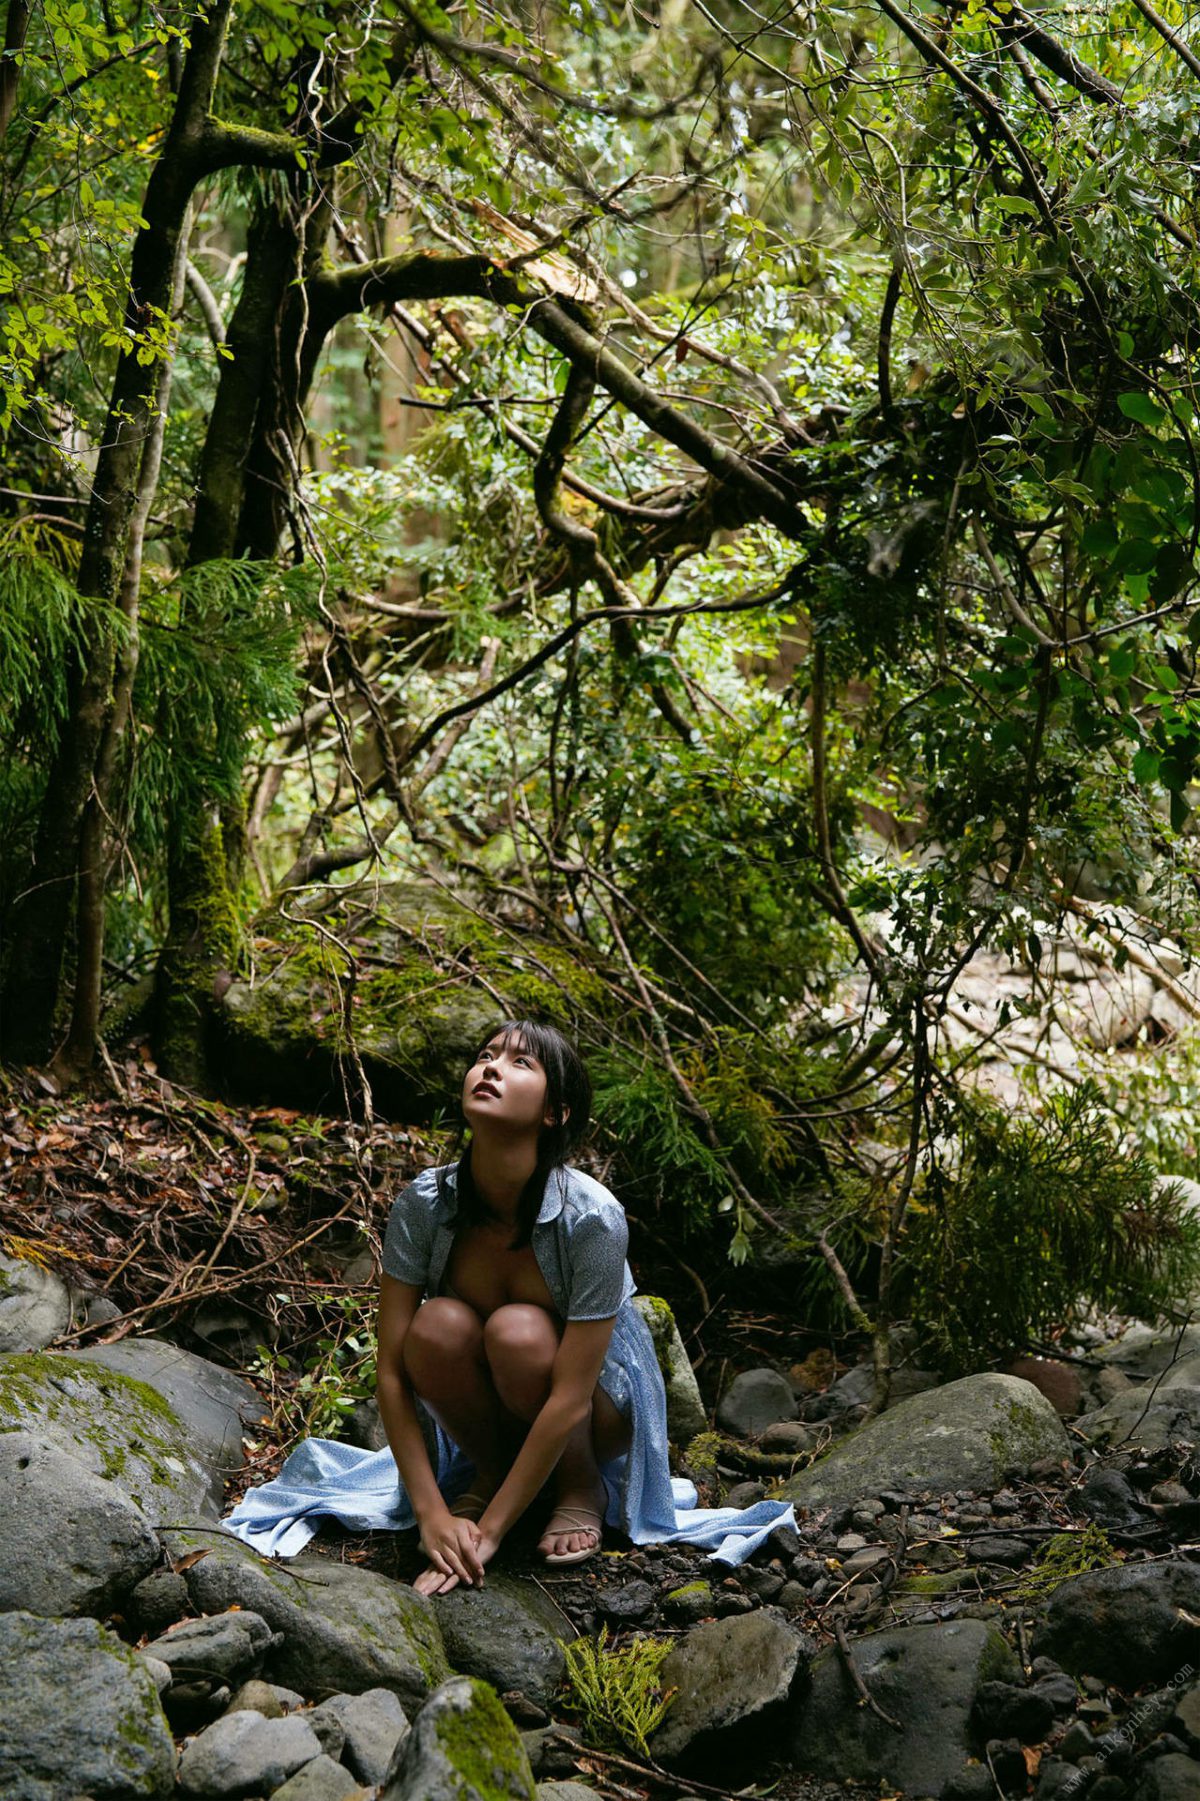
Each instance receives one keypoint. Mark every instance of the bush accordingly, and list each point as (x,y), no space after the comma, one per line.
(1043,1216)
(617,1693)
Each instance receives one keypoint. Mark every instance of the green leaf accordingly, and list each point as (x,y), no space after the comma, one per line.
(1145,766)
(1142,408)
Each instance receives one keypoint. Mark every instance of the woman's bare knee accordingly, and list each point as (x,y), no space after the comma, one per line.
(443,1332)
(520,1343)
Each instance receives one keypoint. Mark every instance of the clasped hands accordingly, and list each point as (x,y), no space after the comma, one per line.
(458,1550)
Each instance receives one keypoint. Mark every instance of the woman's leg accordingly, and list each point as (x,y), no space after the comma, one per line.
(446,1365)
(520,1344)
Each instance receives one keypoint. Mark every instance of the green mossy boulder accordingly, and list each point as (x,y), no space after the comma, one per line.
(432,977)
(114,1426)
(463,1747)
(974,1433)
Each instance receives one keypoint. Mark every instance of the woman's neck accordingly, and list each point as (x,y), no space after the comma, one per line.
(500,1168)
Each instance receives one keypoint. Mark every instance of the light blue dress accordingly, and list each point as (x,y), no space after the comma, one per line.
(579,1240)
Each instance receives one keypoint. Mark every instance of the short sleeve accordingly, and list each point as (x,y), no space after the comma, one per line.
(408,1240)
(598,1243)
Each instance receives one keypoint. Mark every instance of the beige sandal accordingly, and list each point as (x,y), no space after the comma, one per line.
(573,1519)
(470,1506)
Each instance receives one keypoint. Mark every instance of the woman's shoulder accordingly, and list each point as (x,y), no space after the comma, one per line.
(584,1195)
(426,1187)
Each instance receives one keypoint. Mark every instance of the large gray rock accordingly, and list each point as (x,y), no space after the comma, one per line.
(35,1305)
(926,1677)
(755,1400)
(71,1543)
(371,1727)
(1170,1778)
(212,1402)
(507,1632)
(685,1410)
(732,1679)
(345,1629)
(974,1433)
(1148,1350)
(1132,1623)
(245,1754)
(463,1747)
(79,1715)
(1151,1420)
(228,1647)
(116,1427)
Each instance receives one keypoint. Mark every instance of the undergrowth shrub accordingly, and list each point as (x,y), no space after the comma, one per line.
(1065,1555)
(618,1694)
(1043,1216)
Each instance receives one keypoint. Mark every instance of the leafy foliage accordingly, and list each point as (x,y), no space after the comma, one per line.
(617,1692)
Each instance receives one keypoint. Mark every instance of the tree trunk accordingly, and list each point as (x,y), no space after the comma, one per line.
(42,917)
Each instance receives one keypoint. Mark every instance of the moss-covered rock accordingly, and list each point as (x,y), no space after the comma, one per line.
(431,978)
(114,1426)
(79,1715)
(975,1433)
(509,1632)
(685,1410)
(463,1747)
(344,1629)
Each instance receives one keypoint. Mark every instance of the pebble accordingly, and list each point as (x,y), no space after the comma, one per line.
(628,1605)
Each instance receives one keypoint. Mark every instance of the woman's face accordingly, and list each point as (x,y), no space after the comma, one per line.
(506,1084)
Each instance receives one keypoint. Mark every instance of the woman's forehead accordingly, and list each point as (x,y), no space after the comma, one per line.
(514,1041)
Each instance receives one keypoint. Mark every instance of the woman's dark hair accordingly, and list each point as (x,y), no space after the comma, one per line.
(568,1100)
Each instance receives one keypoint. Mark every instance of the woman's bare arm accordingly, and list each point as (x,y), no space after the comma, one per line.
(573,1379)
(398,1303)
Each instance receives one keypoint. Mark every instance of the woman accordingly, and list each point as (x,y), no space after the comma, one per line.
(504,1280)
(509,1353)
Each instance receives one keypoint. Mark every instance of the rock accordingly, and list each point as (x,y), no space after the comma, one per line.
(1108,1497)
(565,1791)
(114,1426)
(244,1754)
(321,1780)
(974,1782)
(1135,1417)
(685,1410)
(994,1547)
(755,1400)
(266,1698)
(745,1494)
(79,1715)
(627,1605)
(973,1433)
(553,1749)
(212,1402)
(282,1034)
(1146,1351)
(1005,1710)
(160,1672)
(158,1601)
(345,1629)
(732,1679)
(225,1648)
(791,1437)
(857,1386)
(35,1305)
(1187,1712)
(372,1726)
(685,1606)
(1059,1382)
(1170,1778)
(1127,1624)
(508,1632)
(72,1543)
(462,1747)
(924,1676)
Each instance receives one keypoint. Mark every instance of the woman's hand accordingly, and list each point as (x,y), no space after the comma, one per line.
(457,1551)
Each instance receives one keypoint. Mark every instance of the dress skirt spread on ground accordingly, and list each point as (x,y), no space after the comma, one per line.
(324,1479)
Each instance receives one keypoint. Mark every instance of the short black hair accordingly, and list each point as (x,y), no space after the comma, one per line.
(569,1102)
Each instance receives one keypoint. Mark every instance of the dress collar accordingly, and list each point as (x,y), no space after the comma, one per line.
(552,1200)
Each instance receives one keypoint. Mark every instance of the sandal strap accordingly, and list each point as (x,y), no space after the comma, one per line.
(573,1519)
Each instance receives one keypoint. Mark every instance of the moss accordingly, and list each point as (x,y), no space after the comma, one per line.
(699,1591)
(205,937)
(998,1661)
(482,1746)
(933,1582)
(701,1454)
(35,1388)
(661,1321)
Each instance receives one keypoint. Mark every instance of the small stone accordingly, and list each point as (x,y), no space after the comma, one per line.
(217,1649)
(159,1600)
(1008,1761)
(974,1782)
(1008,1711)
(764,1585)
(264,1698)
(792,1597)
(1058,1689)
(685,1606)
(730,1604)
(849,1542)
(784,1542)
(1077,1741)
(866,1559)
(244,1754)
(745,1494)
(1059,1382)
(552,1750)
(628,1605)
(1175,1777)
(1170,1494)
(321,1780)
(992,1548)
(787,1437)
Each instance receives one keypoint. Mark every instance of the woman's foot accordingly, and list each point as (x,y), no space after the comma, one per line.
(574,1529)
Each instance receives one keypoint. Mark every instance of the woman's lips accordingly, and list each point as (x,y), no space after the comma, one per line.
(485,1088)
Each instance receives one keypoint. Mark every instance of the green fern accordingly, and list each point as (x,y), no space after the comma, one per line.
(1065,1555)
(618,1694)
